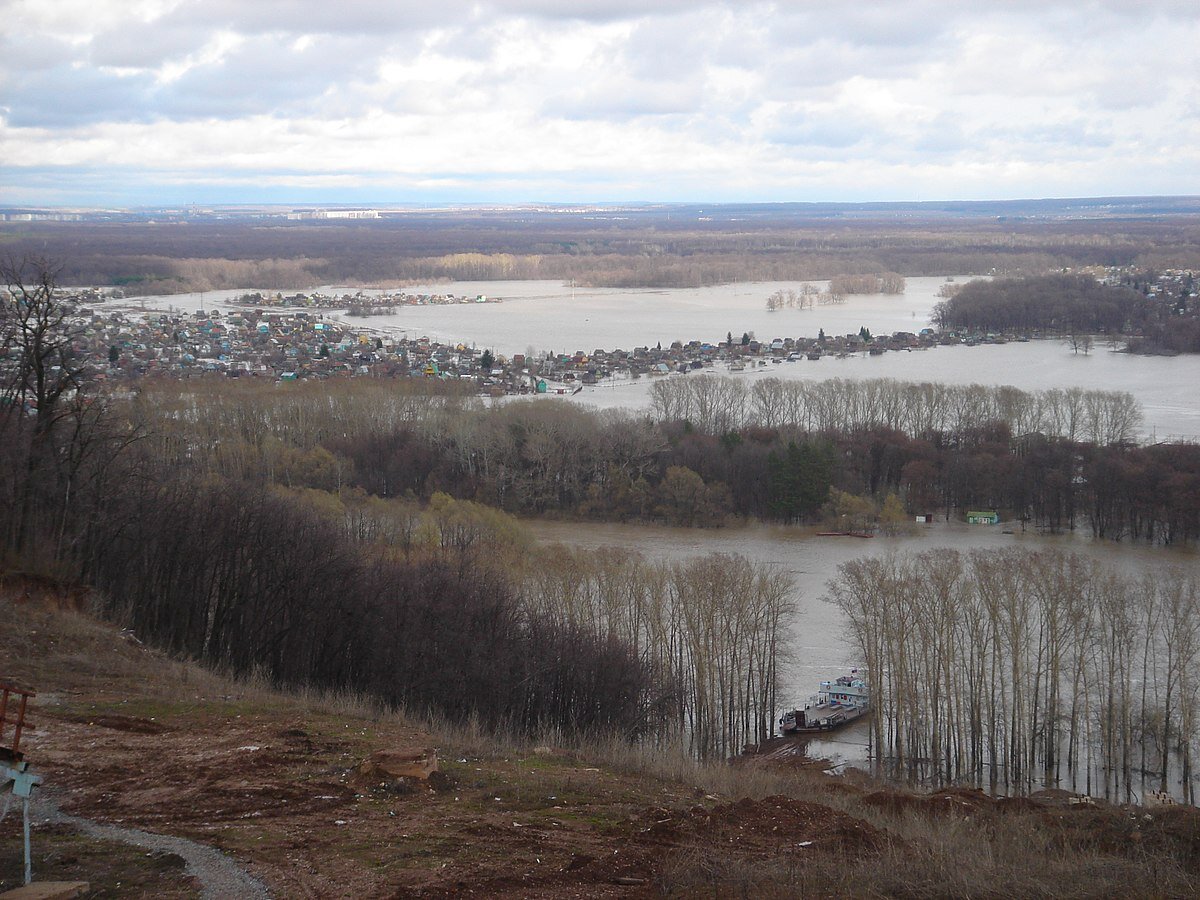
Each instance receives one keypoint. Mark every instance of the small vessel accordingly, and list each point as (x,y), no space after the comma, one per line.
(835,704)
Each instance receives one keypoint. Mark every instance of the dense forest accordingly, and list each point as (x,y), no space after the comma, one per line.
(1047,304)
(710,453)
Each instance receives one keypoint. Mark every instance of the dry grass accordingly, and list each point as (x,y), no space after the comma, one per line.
(901,871)
(928,850)
(985,857)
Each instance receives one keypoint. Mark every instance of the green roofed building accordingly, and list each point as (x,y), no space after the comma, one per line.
(983,517)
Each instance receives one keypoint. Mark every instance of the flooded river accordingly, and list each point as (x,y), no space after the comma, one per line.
(820,647)
(542,315)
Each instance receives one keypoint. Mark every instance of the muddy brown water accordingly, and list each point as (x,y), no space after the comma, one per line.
(820,646)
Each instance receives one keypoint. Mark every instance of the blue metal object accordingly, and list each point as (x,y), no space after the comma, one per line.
(17,779)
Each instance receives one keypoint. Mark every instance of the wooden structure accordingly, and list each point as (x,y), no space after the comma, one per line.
(13,702)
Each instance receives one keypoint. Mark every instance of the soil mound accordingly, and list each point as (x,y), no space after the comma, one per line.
(768,827)
(749,830)
(956,801)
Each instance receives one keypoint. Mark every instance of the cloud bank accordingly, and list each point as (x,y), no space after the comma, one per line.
(165,101)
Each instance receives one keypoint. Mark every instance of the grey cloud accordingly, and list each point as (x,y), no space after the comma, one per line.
(314,16)
(64,97)
(261,76)
(397,16)
(1138,83)
(827,63)
(145,44)
(836,131)
(623,100)
(909,22)
(659,48)
(941,137)
(596,10)
(24,53)
(264,77)
(1074,135)
(913,23)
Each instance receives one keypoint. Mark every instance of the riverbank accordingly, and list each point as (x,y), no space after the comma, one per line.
(263,776)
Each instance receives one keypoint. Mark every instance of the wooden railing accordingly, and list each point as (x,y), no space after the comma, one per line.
(18,698)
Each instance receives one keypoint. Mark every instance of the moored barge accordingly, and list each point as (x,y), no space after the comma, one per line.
(835,704)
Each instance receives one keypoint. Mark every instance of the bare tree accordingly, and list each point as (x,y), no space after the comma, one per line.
(40,372)
(38,331)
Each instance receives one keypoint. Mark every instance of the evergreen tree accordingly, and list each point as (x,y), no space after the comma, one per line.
(800,479)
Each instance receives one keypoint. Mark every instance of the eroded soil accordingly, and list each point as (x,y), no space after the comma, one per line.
(126,736)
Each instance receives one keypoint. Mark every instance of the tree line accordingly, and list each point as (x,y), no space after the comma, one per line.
(711,451)
(641,248)
(1025,669)
(1045,304)
(887,283)
(717,404)
(1149,318)
(712,627)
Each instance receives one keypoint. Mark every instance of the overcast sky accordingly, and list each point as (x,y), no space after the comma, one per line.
(125,102)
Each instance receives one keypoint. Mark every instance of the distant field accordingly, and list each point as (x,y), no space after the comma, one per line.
(631,246)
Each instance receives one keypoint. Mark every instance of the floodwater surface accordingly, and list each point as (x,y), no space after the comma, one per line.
(819,646)
(539,316)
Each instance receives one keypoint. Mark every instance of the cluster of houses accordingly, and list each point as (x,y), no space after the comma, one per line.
(1178,287)
(283,344)
(289,343)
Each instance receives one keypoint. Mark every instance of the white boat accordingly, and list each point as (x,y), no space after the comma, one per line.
(835,704)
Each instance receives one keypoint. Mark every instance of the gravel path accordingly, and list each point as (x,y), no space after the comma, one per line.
(220,877)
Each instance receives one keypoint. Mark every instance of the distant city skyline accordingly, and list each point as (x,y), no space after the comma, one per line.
(170,102)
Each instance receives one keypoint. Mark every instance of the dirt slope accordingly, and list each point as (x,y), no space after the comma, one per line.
(125,735)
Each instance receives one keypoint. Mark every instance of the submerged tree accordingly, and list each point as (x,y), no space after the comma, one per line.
(1023,669)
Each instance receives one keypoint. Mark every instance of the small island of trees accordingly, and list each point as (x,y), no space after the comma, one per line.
(1147,319)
